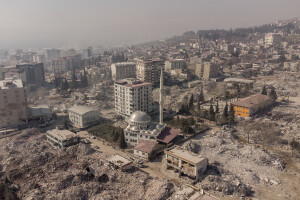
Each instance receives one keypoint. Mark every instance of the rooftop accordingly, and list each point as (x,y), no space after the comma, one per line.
(185,155)
(62,134)
(119,160)
(238,80)
(146,146)
(81,109)
(132,83)
(11,83)
(140,116)
(252,100)
(168,134)
(124,63)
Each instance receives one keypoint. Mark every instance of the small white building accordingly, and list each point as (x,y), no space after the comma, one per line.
(185,162)
(62,138)
(83,116)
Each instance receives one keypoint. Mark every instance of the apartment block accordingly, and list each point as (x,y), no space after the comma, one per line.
(65,64)
(32,73)
(13,103)
(206,70)
(272,38)
(123,70)
(149,71)
(184,162)
(132,95)
(175,65)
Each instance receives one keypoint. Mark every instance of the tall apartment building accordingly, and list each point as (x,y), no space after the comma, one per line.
(123,70)
(132,95)
(175,64)
(64,64)
(39,58)
(53,54)
(13,103)
(88,52)
(149,71)
(31,73)
(206,70)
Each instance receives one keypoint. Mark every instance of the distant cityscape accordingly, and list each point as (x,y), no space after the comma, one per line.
(211,114)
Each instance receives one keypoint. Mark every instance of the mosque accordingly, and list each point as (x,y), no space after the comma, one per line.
(141,127)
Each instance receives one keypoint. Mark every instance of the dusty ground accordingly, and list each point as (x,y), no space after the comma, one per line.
(37,171)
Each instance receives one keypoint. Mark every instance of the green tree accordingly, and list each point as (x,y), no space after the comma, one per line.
(65,85)
(211,113)
(294,145)
(85,79)
(264,90)
(115,135)
(231,114)
(191,102)
(73,83)
(184,109)
(122,143)
(201,96)
(81,80)
(217,107)
(66,125)
(227,95)
(273,94)
(225,111)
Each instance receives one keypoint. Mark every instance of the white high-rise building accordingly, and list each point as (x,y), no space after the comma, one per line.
(123,70)
(132,95)
(13,103)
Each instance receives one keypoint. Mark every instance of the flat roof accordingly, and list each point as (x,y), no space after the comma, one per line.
(252,100)
(124,63)
(119,160)
(62,134)
(132,83)
(81,109)
(185,155)
(239,80)
(11,83)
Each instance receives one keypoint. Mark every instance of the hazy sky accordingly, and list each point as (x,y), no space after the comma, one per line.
(78,23)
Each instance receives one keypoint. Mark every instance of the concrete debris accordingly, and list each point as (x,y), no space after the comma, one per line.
(34,170)
(234,167)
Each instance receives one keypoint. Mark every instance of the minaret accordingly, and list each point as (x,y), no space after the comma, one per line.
(161,101)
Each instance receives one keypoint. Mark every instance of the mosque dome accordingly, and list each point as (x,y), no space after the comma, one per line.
(139,116)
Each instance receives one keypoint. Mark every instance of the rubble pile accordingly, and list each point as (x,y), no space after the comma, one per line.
(231,161)
(176,95)
(35,170)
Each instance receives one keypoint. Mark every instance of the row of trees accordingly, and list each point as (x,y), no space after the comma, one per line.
(119,57)
(110,133)
(63,85)
(272,93)
(184,124)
